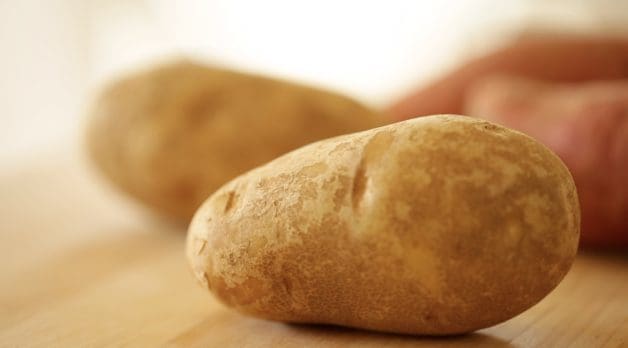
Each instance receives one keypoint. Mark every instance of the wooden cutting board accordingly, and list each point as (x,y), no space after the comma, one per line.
(83,266)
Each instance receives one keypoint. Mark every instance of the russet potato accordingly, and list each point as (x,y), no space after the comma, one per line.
(171,135)
(436,225)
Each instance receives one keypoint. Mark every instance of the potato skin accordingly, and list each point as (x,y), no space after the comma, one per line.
(173,134)
(436,225)
(586,125)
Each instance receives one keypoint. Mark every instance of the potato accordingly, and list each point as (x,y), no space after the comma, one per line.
(172,135)
(586,125)
(435,225)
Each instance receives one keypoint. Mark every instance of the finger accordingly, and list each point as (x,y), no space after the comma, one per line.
(566,59)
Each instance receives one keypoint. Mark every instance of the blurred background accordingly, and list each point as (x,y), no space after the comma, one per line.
(55,54)
(84,265)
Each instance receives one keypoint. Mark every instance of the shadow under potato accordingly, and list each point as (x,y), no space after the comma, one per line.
(226,328)
(344,336)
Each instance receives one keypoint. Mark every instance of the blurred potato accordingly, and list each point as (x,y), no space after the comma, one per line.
(173,134)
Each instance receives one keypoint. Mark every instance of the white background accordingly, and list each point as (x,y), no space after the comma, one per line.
(54,54)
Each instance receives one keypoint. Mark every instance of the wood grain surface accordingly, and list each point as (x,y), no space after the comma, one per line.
(84,267)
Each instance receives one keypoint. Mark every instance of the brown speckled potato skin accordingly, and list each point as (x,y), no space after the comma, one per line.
(172,135)
(586,125)
(436,225)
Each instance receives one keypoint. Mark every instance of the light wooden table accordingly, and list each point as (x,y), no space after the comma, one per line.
(82,266)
